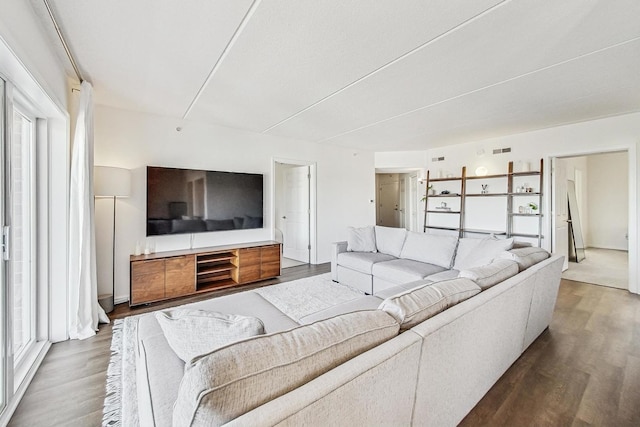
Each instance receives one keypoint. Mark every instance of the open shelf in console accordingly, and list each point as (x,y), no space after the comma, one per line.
(215,269)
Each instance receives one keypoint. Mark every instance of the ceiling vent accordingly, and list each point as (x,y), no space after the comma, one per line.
(501,150)
(437,159)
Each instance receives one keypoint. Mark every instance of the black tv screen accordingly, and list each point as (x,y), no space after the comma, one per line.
(192,201)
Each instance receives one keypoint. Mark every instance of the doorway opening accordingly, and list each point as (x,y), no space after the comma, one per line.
(294,211)
(398,201)
(591,217)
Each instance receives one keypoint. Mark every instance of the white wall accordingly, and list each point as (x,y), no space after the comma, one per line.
(132,140)
(608,185)
(596,136)
(23,32)
(28,60)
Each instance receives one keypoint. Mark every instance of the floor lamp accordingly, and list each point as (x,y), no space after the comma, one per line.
(111,182)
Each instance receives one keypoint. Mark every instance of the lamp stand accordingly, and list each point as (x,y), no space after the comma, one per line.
(107,302)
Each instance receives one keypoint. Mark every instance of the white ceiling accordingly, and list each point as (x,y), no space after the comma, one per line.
(370,75)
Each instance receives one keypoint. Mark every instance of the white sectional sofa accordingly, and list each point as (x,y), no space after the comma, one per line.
(420,353)
(377,258)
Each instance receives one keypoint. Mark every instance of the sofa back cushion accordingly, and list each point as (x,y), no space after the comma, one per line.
(476,252)
(226,383)
(430,248)
(525,257)
(417,305)
(389,240)
(361,239)
(489,275)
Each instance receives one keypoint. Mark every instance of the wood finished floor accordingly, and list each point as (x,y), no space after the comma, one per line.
(584,370)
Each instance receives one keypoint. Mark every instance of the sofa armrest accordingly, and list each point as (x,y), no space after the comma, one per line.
(336,248)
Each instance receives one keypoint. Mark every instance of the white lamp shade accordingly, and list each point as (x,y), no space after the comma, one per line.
(111,182)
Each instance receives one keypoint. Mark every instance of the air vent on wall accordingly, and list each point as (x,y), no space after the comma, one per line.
(437,159)
(501,150)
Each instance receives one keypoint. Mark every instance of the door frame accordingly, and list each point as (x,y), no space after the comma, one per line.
(313,251)
(632,153)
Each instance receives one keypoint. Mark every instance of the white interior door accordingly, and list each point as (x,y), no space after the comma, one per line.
(560,211)
(296,198)
(402,203)
(388,204)
(412,201)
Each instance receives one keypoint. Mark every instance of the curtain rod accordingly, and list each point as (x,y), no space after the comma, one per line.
(64,43)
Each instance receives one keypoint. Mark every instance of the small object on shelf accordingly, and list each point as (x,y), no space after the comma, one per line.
(443,207)
(520,209)
(445,192)
(484,188)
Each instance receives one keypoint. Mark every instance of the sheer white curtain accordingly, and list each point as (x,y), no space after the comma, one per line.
(84,311)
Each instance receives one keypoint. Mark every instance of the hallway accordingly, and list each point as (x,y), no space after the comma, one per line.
(604,267)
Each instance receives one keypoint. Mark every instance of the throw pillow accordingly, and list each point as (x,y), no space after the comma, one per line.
(191,333)
(252,222)
(417,305)
(389,240)
(237,222)
(476,252)
(489,275)
(361,239)
(525,257)
(430,248)
(224,384)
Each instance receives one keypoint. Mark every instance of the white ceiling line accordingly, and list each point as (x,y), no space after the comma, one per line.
(390,63)
(223,55)
(482,88)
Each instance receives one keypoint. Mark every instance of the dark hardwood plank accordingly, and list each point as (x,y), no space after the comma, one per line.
(583,371)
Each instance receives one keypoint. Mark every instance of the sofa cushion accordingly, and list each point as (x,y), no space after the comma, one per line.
(389,240)
(361,239)
(219,224)
(525,257)
(430,248)
(158,374)
(244,303)
(191,333)
(443,275)
(415,306)
(362,261)
(476,252)
(489,275)
(404,270)
(366,302)
(237,378)
(401,288)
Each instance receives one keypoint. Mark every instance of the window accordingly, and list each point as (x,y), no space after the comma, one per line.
(21,230)
(23,313)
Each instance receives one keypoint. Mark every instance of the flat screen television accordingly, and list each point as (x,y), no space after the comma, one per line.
(192,201)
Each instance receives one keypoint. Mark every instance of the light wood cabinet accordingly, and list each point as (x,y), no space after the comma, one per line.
(151,273)
(179,276)
(249,260)
(270,261)
(161,276)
